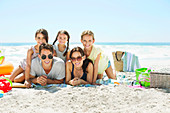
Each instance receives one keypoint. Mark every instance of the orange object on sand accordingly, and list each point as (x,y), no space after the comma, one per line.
(117,83)
(2,58)
(6,68)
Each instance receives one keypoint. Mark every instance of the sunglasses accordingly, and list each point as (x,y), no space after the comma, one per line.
(50,56)
(79,58)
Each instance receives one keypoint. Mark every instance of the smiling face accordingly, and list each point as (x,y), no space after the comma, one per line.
(77,59)
(62,38)
(40,38)
(87,41)
(46,58)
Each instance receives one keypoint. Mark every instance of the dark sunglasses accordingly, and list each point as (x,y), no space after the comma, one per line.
(50,56)
(79,58)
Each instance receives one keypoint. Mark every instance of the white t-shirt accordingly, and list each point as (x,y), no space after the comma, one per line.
(57,70)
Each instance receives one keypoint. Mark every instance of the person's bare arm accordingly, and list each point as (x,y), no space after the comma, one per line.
(49,81)
(68,72)
(28,67)
(90,73)
(96,62)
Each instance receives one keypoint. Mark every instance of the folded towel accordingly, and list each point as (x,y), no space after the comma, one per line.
(130,62)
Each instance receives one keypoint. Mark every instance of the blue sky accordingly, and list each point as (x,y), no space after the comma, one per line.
(110,20)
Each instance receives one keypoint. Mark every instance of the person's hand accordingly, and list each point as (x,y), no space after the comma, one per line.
(71,82)
(27,83)
(42,80)
(76,81)
(75,78)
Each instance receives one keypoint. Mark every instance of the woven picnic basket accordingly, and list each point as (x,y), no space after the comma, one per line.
(160,80)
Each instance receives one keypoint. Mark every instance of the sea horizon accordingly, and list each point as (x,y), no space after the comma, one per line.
(96,43)
(146,51)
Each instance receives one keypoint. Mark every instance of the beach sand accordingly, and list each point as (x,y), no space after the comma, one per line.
(99,99)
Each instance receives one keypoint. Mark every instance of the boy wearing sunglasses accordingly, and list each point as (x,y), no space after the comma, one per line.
(46,69)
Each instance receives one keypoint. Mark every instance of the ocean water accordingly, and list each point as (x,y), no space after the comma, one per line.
(151,52)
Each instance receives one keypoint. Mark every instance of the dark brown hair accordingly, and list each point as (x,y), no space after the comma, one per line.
(44,32)
(45,46)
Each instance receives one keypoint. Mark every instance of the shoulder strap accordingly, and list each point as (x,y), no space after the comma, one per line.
(72,73)
(117,57)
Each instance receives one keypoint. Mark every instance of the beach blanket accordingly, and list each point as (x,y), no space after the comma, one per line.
(61,85)
(99,82)
(122,78)
(52,88)
(104,81)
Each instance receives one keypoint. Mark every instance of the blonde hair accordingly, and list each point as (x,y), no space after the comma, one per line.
(87,32)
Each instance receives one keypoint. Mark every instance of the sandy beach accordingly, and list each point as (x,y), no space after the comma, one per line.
(139,28)
(83,99)
(99,99)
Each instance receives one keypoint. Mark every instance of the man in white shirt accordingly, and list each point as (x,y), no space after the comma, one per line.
(46,69)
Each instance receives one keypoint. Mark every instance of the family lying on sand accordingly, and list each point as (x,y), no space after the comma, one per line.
(52,64)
